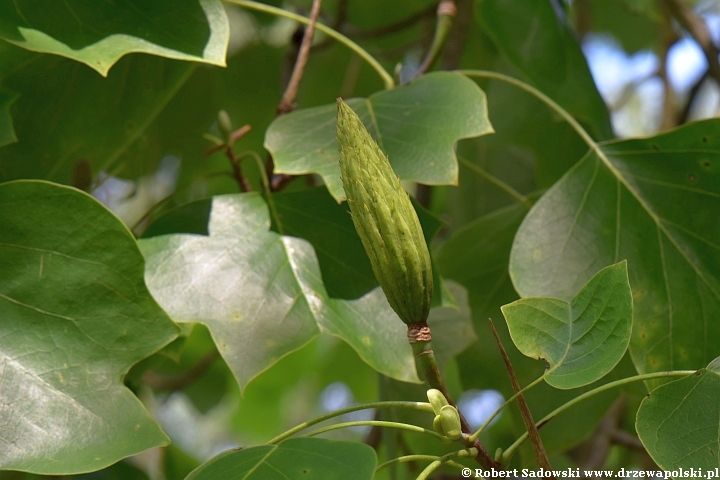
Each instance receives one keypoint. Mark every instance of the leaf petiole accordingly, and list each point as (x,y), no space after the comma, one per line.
(422,406)
(507,454)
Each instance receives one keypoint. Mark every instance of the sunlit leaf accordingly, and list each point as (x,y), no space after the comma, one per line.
(581,340)
(416,126)
(76,315)
(261,293)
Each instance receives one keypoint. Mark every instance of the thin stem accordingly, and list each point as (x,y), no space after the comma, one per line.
(594,148)
(517,196)
(446,11)
(261,167)
(384,75)
(537,444)
(419,336)
(378,423)
(287,104)
(504,405)
(471,452)
(424,407)
(420,458)
(507,454)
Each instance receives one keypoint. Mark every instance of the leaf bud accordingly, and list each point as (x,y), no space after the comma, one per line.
(437,400)
(450,419)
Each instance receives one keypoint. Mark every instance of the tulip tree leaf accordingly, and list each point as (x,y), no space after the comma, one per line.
(654,202)
(535,37)
(98,35)
(678,422)
(293,459)
(582,340)
(261,294)
(76,316)
(415,125)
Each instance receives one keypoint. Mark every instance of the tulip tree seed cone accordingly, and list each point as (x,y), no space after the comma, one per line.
(385,220)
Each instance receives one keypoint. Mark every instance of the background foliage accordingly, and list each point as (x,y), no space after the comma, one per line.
(163,299)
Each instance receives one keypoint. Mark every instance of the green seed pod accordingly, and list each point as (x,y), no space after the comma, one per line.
(437,400)
(450,419)
(385,220)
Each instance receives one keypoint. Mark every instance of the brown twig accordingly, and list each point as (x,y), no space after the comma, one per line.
(668,38)
(287,104)
(697,28)
(178,382)
(599,448)
(229,150)
(533,434)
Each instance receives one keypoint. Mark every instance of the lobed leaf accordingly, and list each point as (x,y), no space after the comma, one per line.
(415,125)
(262,296)
(76,315)
(582,340)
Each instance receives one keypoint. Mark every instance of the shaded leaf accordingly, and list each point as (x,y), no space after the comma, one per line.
(67,113)
(261,293)
(76,315)
(7,132)
(653,202)
(678,422)
(293,459)
(582,340)
(416,125)
(98,35)
(535,37)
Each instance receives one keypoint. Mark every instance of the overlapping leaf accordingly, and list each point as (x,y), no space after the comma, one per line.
(654,202)
(582,340)
(296,458)
(262,296)
(75,316)
(678,422)
(416,126)
(346,271)
(535,38)
(477,256)
(98,35)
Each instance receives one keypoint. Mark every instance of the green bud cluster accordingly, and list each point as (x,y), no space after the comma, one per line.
(447,418)
(385,220)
